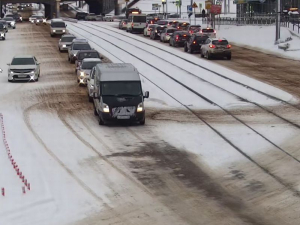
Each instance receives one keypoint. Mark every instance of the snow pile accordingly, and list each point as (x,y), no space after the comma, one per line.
(261,38)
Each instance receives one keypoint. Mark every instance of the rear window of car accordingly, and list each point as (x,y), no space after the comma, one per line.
(220,42)
(162,22)
(139,19)
(183,24)
(208,30)
(195,28)
(170,31)
(160,28)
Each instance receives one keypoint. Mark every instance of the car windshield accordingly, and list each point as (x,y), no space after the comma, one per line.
(67,39)
(88,55)
(81,47)
(58,24)
(8,19)
(88,65)
(220,42)
(23,61)
(207,30)
(139,19)
(121,88)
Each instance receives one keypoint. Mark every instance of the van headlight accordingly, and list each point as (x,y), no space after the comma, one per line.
(81,74)
(140,107)
(105,108)
(64,46)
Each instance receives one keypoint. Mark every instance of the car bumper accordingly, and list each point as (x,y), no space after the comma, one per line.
(220,52)
(137,117)
(58,32)
(22,77)
(137,29)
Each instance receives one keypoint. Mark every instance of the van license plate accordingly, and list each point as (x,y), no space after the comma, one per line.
(123,117)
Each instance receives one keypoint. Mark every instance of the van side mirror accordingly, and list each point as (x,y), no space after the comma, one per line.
(146,94)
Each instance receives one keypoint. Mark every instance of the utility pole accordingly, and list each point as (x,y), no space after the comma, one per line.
(166,9)
(228,6)
(278,12)
(164,3)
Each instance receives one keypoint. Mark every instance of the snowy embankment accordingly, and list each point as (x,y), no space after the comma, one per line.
(261,38)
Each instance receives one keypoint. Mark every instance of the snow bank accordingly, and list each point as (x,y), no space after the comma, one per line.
(261,38)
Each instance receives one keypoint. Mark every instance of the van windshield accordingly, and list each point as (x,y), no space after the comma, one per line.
(58,24)
(121,88)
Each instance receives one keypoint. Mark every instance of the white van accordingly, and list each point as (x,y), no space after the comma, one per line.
(136,23)
(57,27)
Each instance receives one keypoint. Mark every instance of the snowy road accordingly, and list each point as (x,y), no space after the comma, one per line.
(217,147)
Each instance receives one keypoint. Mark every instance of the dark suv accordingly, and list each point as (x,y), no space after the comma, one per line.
(193,44)
(178,38)
(155,32)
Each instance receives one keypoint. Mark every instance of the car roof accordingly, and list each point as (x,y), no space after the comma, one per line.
(80,40)
(91,60)
(118,72)
(24,56)
(55,20)
(216,39)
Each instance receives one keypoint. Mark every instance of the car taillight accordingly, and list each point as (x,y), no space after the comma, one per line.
(132,24)
(124,23)
(201,32)
(177,37)
(191,31)
(212,46)
(215,31)
(228,46)
(149,29)
(194,42)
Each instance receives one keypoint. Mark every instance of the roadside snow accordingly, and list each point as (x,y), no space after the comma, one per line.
(261,38)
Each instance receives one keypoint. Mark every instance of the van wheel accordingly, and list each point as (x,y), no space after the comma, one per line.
(143,122)
(185,48)
(101,122)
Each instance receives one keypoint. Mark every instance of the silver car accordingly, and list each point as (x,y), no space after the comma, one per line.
(65,42)
(57,27)
(24,68)
(166,34)
(10,22)
(83,72)
(75,47)
(214,47)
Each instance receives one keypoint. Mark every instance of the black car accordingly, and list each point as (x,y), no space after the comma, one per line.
(155,32)
(193,44)
(178,38)
(82,54)
(163,22)
(183,26)
(81,15)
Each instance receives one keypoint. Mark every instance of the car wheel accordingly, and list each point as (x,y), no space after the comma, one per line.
(202,56)
(170,43)
(190,51)
(229,57)
(72,61)
(143,122)
(101,122)
(208,55)
(52,35)
(185,48)
(10,81)
(36,80)
(90,98)
(127,30)
(3,38)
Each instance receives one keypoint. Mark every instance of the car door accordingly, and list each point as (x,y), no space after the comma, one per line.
(90,81)
(163,34)
(205,46)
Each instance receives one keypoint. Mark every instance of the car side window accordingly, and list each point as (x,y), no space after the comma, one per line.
(34,59)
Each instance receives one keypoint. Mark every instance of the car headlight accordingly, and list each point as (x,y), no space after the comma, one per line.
(81,74)
(64,31)
(32,72)
(140,107)
(64,46)
(105,108)
(2,35)
(37,21)
(44,20)
(21,18)
(54,30)
(10,71)
(74,54)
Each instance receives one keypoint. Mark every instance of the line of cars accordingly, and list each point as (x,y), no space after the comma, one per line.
(114,88)
(93,17)
(9,21)
(193,38)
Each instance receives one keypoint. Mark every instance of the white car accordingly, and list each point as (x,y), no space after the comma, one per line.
(108,18)
(147,30)
(24,68)
(84,70)
(214,47)
(210,32)
(10,21)
(166,34)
